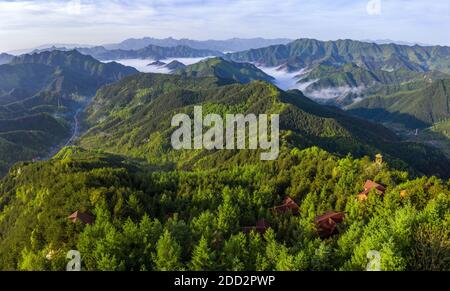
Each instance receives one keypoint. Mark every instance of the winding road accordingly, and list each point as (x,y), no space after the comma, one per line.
(75,132)
(76,129)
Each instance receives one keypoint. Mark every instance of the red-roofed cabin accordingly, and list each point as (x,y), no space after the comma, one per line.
(288,206)
(80,216)
(327,224)
(368,187)
(261,227)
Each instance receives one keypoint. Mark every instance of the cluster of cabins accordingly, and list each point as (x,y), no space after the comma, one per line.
(326,224)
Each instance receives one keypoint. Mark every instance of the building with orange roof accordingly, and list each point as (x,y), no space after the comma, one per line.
(368,187)
(326,224)
(288,206)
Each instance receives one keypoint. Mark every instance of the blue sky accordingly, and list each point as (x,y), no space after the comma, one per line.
(25,24)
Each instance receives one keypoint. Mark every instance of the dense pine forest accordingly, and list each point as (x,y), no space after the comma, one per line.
(154,219)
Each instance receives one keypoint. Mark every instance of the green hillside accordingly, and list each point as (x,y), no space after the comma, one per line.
(340,72)
(304,53)
(132,117)
(413,109)
(443,128)
(152,219)
(351,75)
(39,95)
(225,70)
(343,85)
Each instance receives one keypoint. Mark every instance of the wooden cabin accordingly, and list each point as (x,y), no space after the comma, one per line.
(82,217)
(288,206)
(261,227)
(368,187)
(327,224)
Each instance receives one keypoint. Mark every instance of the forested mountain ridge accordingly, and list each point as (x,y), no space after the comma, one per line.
(351,82)
(78,63)
(132,117)
(414,109)
(304,53)
(340,72)
(225,70)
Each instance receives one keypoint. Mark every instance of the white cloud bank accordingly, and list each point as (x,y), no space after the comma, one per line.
(145,67)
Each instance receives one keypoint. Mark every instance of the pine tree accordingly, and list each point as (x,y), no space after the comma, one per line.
(202,257)
(168,253)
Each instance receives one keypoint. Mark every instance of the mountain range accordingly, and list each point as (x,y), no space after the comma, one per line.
(308,53)
(149,52)
(50,78)
(389,41)
(44,47)
(343,85)
(128,118)
(229,45)
(344,71)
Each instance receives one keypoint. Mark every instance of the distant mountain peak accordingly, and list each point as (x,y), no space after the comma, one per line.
(5,58)
(226,70)
(233,44)
(175,65)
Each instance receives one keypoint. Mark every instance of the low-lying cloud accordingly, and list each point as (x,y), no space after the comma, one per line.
(334,93)
(143,65)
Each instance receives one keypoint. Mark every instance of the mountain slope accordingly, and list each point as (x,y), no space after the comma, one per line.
(73,61)
(304,53)
(133,118)
(414,109)
(39,95)
(346,83)
(225,70)
(174,66)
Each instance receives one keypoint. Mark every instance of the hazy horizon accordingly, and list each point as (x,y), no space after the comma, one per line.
(76,45)
(32,23)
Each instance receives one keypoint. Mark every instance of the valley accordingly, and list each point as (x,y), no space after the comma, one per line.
(40,95)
